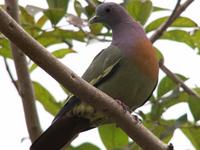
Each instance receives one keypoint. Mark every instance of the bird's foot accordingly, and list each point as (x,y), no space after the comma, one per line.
(138,120)
(170,147)
(124,106)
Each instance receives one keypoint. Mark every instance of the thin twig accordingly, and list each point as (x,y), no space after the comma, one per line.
(159,32)
(177,80)
(25,87)
(175,14)
(10,74)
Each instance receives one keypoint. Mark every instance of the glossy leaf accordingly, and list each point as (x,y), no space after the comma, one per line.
(58,4)
(62,52)
(41,21)
(59,36)
(196,37)
(46,99)
(179,22)
(78,8)
(155,9)
(179,36)
(57,9)
(163,129)
(96,28)
(33,67)
(25,17)
(58,53)
(54,14)
(166,85)
(140,10)
(194,104)
(113,137)
(5,50)
(193,134)
(159,54)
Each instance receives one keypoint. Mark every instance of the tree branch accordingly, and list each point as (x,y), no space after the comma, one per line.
(78,86)
(177,80)
(25,88)
(159,32)
(175,14)
(10,74)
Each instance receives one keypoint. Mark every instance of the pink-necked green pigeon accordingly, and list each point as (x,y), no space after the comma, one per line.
(127,71)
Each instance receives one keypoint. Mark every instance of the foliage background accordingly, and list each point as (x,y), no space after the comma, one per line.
(170,109)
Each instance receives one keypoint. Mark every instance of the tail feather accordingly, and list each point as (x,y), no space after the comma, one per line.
(62,131)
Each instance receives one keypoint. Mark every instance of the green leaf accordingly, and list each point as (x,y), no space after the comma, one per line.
(54,14)
(179,22)
(159,54)
(96,28)
(62,52)
(57,9)
(33,67)
(78,8)
(46,99)
(179,36)
(194,104)
(113,137)
(25,17)
(196,37)
(140,10)
(5,50)
(58,53)
(59,36)
(166,85)
(41,21)
(84,146)
(163,129)
(155,9)
(58,4)
(193,134)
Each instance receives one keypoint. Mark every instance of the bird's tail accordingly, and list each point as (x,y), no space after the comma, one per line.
(62,131)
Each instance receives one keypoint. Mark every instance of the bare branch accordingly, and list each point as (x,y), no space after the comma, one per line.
(159,32)
(177,80)
(25,88)
(10,74)
(175,14)
(78,86)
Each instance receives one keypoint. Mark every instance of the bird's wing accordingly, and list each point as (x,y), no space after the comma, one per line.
(103,65)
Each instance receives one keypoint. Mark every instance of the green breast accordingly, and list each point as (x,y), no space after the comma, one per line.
(129,85)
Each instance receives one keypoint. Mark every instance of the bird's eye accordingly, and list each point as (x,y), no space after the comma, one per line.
(107,10)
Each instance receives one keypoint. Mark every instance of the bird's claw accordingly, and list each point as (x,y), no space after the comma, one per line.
(124,106)
(138,120)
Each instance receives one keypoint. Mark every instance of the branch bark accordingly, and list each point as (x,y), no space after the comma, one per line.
(24,85)
(175,14)
(78,86)
(177,80)
(159,32)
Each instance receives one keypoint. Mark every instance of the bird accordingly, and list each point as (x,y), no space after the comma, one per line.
(127,70)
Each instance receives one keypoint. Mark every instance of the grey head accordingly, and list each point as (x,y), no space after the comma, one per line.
(110,14)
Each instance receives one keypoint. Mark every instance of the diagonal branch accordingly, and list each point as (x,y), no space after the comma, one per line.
(86,92)
(25,88)
(10,74)
(177,80)
(159,32)
(175,14)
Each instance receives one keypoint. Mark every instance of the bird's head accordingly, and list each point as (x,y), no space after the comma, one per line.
(110,14)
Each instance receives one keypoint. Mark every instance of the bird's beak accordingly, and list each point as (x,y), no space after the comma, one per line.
(95,19)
